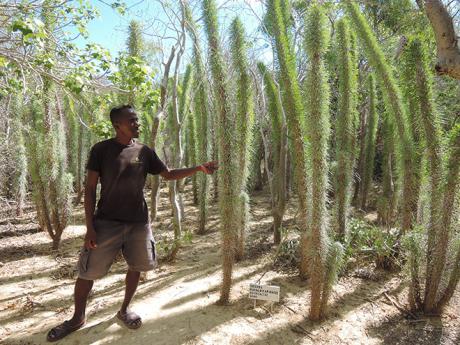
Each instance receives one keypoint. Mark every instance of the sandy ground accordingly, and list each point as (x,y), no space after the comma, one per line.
(177,300)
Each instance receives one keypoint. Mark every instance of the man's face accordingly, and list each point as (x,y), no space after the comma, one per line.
(128,124)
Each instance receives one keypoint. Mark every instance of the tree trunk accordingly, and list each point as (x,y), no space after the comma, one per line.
(154,197)
(155,181)
(448,49)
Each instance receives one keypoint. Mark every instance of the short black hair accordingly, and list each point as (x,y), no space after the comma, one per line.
(117,112)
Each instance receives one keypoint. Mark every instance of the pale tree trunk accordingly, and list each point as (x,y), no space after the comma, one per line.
(448,50)
(155,184)
(176,149)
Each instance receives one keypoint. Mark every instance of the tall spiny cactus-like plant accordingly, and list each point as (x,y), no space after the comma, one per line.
(393,95)
(279,147)
(256,176)
(18,156)
(213,141)
(324,257)
(387,201)
(52,185)
(190,125)
(135,46)
(413,90)
(184,97)
(442,194)
(369,146)
(72,125)
(450,188)
(62,206)
(135,41)
(201,119)
(227,155)
(345,127)
(295,118)
(268,20)
(408,81)
(244,122)
(47,152)
(77,138)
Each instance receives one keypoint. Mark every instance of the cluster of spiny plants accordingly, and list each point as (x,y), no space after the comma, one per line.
(333,120)
(413,160)
(425,164)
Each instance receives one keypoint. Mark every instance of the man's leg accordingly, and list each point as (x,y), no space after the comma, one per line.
(131,281)
(92,264)
(139,253)
(131,319)
(81,292)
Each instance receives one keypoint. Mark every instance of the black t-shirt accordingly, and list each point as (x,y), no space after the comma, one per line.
(122,171)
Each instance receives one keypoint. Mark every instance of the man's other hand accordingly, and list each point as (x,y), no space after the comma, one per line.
(90,239)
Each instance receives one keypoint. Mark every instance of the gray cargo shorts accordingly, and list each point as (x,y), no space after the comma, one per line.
(134,239)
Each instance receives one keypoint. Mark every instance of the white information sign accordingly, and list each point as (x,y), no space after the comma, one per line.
(264,292)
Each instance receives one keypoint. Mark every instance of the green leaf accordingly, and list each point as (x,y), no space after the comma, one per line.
(22,26)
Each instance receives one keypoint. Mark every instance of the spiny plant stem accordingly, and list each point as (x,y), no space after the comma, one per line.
(345,127)
(227,169)
(295,118)
(244,123)
(393,95)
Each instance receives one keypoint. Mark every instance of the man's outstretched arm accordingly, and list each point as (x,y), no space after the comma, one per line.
(177,174)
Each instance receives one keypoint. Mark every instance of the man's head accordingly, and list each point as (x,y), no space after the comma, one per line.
(125,121)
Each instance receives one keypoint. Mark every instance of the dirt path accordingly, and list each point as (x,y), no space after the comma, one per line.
(177,300)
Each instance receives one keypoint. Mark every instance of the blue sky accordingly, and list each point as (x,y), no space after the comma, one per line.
(110,29)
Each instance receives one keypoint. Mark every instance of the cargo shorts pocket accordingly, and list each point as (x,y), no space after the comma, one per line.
(83,260)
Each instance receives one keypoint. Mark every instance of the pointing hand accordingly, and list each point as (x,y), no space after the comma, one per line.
(209,167)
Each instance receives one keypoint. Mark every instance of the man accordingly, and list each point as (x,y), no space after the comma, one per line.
(121,220)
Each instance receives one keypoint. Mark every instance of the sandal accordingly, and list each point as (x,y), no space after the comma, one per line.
(130,319)
(62,330)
